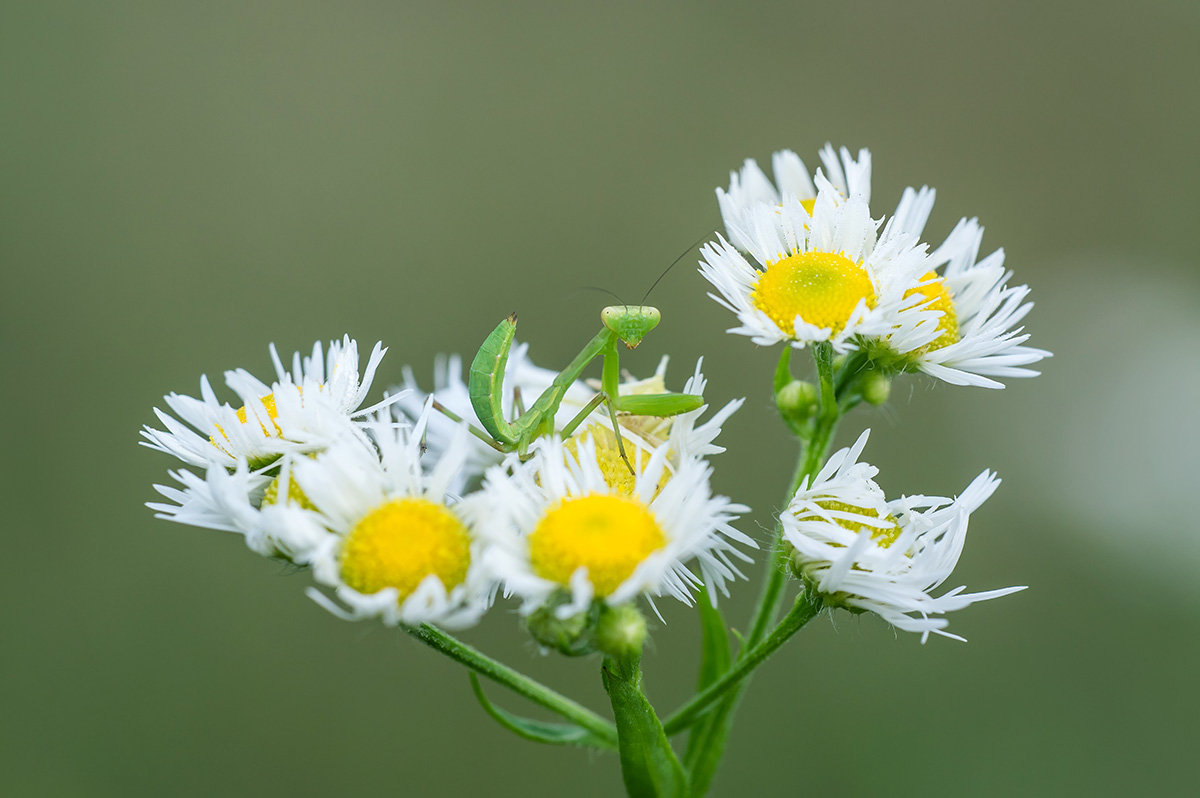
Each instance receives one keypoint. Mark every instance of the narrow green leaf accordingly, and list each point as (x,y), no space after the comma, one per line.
(714,655)
(537,730)
(714,661)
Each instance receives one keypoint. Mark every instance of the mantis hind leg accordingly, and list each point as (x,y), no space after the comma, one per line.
(474,430)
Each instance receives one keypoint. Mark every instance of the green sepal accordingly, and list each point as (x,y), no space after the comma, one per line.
(539,731)
(783,371)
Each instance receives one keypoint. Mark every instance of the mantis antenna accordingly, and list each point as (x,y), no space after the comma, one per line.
(682,255)
(602,290)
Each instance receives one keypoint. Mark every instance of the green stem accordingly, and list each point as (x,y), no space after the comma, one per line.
(807,466)
(514,680)
(805,609)
(649,766)
(716,731)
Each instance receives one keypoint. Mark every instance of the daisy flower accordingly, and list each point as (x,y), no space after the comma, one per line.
(976,336)
(302,411)
(397,546)
(867,554)
(750,187)
(556,529)
(828,274)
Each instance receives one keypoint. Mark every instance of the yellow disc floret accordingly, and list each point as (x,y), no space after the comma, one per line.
(938,297)
(608,457)
(295,496)
(883,536)
(268,403)
(402,542)
(609,535)
(822,288)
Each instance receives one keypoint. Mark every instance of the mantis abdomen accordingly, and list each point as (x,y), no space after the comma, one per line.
(486,377)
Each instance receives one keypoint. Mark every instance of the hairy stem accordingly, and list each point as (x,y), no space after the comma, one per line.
(805,609)
(715,733)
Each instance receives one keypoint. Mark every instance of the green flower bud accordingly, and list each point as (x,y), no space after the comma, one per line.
(573,635)
(875,387)
(621,632)
(797,400)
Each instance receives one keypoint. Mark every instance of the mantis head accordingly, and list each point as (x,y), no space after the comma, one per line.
(630,322)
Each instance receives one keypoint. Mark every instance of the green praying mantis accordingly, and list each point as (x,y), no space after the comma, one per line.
(626,324)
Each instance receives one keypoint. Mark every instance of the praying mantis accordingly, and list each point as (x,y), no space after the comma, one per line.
(626,324)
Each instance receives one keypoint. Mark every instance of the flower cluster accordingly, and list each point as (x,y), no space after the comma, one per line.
(582,500)
(807,264)
(402,515)
(579,496)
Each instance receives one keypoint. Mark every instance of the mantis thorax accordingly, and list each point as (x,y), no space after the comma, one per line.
(630,322)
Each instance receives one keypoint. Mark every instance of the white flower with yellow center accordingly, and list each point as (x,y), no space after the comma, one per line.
(302,411)
(521,378)
(555,527)
(976,337)
(825,275)
(750,187)
(865,553)
(398,547)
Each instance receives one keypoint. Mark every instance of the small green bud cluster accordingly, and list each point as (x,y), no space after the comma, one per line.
(617,631)
(574,635)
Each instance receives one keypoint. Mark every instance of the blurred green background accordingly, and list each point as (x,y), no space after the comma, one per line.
(183,183)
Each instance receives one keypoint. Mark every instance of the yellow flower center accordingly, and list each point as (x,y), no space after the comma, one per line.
(609,535)
(402,542)
(809,204)
(822,288)
(608,457)
(939,298)
(295,496)
(883,536)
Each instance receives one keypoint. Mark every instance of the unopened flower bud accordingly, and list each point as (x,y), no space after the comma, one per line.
(573,635)
(621,631)
(876,387)
(797,400)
